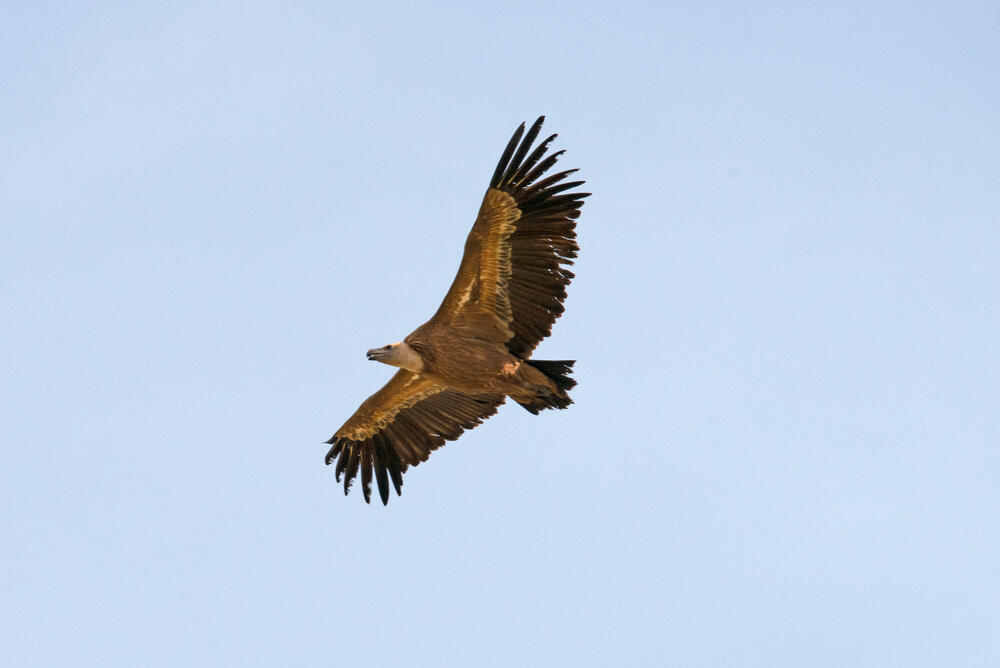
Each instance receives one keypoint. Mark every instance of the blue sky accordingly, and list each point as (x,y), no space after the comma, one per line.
(784,447)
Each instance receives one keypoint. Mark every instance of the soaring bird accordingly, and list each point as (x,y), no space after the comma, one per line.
(457,368)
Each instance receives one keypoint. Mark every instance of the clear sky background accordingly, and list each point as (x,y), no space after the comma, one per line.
(784,448)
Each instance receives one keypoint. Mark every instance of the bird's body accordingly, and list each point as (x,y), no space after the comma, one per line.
(459,366)
(474,365)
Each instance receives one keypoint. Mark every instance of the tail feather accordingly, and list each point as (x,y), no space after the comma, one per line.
(559,373)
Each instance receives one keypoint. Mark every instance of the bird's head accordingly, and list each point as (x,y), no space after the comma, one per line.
(397,354)
(384,354)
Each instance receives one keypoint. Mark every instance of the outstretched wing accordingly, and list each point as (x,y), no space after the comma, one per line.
(399,426)
(513,277)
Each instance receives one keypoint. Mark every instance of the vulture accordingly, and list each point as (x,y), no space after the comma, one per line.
(457,368)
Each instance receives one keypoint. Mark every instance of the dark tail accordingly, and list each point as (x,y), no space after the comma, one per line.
(559,373)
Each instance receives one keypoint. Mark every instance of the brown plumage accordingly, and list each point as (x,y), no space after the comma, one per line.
(458,367)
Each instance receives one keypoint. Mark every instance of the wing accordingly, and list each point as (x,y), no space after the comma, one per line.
(513,277)
(399,426)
